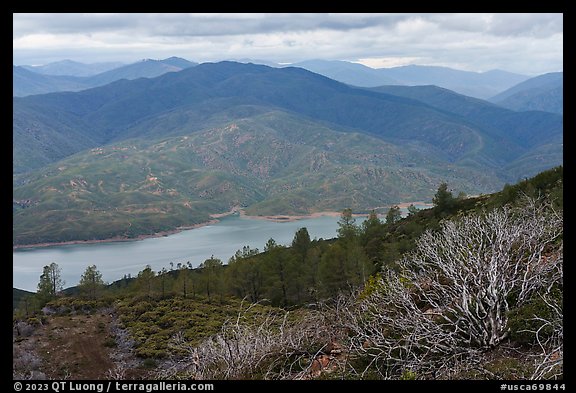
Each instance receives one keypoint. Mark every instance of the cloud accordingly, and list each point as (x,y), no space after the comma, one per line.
(194,24)
(513,42)
(527,25)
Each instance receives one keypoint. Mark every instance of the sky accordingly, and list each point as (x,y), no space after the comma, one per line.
(525,43)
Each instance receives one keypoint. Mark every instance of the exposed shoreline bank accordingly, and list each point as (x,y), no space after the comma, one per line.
(214,219)
(114,239)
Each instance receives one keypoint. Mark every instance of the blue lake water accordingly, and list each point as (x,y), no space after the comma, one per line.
(115,259)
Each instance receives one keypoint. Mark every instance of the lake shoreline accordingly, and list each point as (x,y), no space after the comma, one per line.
(214,219)
(114,239)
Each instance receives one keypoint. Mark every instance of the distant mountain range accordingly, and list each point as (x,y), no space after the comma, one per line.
(475,84)
(141,156)
(504,88)
(74,76)
(73,68)
(146,68)
(543,93)
(25,82)
(530,129)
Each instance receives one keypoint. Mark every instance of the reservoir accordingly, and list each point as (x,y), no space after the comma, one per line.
(116,259)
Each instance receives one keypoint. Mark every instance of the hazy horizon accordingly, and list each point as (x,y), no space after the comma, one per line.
(523,43)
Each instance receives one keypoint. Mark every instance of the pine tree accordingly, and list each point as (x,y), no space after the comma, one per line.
(412,210)
(51,281)
(371,224)
(333,275)
(347,225)
(443,199)
(301,244)
(244,275)
(212,276)
(166,282)
(145,279)
(91,282)
(393,215)
(278,273)
(300,268)
(183,282)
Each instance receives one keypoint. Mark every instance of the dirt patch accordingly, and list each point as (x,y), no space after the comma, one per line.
(73,346)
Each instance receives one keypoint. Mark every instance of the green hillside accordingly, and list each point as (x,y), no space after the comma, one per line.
(72,76)
(532,132)
(473,285)
(541,93)
(39,139)
(194,96)
(18,295)
(26,82)
(143,156)
(273,163)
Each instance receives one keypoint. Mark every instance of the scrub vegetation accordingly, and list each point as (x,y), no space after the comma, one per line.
(469,289)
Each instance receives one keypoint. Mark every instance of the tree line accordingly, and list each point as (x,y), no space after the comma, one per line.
(476,276)
(307,270)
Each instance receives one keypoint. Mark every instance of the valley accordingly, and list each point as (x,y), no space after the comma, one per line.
(321,197)
(290,301)
(215,136)
(118,258)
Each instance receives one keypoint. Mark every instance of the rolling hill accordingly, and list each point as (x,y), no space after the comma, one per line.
(480,85)
(18,295)
(26,81)
(151,155)
(147,68)
(354,74)
(203,95)
(73,68)
(528,129)
(38,138)
(270,163)
(474,84)
(542,93)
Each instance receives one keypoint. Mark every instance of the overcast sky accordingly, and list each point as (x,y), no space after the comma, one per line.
(524,43)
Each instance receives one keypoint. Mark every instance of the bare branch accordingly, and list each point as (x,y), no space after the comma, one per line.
(275,346)
(451,300)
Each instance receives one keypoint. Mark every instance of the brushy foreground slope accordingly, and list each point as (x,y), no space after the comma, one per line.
(471,289)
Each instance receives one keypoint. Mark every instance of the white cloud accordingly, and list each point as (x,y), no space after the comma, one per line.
(525,43)
(388,62)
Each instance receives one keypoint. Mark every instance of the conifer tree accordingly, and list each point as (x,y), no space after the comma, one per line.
(51,281)
(91,282)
